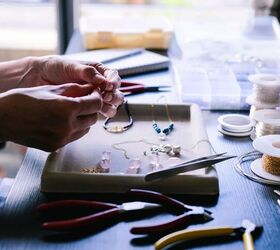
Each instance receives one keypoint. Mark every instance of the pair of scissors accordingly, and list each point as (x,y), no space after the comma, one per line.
(102,212)
(136,88)
(246,229)
(197,163)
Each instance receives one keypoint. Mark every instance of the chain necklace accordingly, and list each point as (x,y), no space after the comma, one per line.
(166,131)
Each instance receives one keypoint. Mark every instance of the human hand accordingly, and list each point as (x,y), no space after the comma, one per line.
(49,117)
(54,71)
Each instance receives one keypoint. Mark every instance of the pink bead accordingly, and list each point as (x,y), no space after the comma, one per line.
(154,162)
(134,166)
(103,166)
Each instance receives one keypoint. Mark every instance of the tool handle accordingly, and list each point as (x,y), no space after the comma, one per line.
(179,221)
(133,89)
(155,197)
(128,84)
(192,234)
(248,241)
(95,205)
(81,222)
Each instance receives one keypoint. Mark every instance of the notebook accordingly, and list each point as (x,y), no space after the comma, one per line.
(126,61)
(103,55)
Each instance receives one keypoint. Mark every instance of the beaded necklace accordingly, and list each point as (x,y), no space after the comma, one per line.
(166,131)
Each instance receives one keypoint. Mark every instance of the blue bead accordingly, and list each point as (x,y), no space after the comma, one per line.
(166,131)
(158,130)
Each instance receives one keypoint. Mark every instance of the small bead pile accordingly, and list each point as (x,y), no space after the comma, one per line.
(167,148)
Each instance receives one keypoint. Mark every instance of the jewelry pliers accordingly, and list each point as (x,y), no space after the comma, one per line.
(246,229)
(136,88)
(102,212)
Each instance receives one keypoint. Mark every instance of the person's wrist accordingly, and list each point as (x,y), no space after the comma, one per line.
(29,71)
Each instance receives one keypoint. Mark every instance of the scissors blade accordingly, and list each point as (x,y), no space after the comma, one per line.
(138,205)
(168,172)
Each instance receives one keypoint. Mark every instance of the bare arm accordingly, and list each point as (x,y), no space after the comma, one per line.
(12,73)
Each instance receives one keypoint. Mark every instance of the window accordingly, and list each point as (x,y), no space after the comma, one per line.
(27,28)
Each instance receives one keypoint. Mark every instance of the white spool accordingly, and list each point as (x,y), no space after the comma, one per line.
(267,122)
(235,125)
(266,90)
(268,116)
(256,167)
(269,145)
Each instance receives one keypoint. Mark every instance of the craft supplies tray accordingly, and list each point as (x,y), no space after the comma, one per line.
(150,32)
(69,170)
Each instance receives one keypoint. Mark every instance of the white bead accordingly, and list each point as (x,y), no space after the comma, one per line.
(162,136)
(167,148)
(176,150)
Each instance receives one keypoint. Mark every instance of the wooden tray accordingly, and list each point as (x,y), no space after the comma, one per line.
(62,172)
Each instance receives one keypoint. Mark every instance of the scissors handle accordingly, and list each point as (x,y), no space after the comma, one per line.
(81,222)
(180,221)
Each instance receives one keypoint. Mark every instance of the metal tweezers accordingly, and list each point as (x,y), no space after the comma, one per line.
(197,163)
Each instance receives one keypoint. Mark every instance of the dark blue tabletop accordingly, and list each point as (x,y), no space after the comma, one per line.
(239,198)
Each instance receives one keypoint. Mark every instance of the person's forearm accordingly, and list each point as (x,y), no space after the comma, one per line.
(12,73)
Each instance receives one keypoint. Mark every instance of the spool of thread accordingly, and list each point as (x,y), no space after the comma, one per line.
(267,122)
(235,125)
(269,145)
(271,164)
(266,90)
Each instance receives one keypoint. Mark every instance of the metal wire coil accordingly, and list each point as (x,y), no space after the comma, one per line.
(250,156)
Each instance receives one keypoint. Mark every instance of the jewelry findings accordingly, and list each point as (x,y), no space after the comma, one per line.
(119,128)
(103,166)
(167,148)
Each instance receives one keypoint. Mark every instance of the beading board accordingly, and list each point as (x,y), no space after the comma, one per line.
(63,169)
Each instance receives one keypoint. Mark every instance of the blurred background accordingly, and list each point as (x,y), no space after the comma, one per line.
(43,27)
(30,27)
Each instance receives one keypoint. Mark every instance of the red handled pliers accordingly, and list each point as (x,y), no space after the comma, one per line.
(135,88)
(101,212)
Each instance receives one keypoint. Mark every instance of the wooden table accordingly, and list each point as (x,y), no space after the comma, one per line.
(239,198)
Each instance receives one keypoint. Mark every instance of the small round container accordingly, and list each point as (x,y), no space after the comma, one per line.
(235,125)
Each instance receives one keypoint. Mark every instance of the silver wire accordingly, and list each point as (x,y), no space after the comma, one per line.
(250,156)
